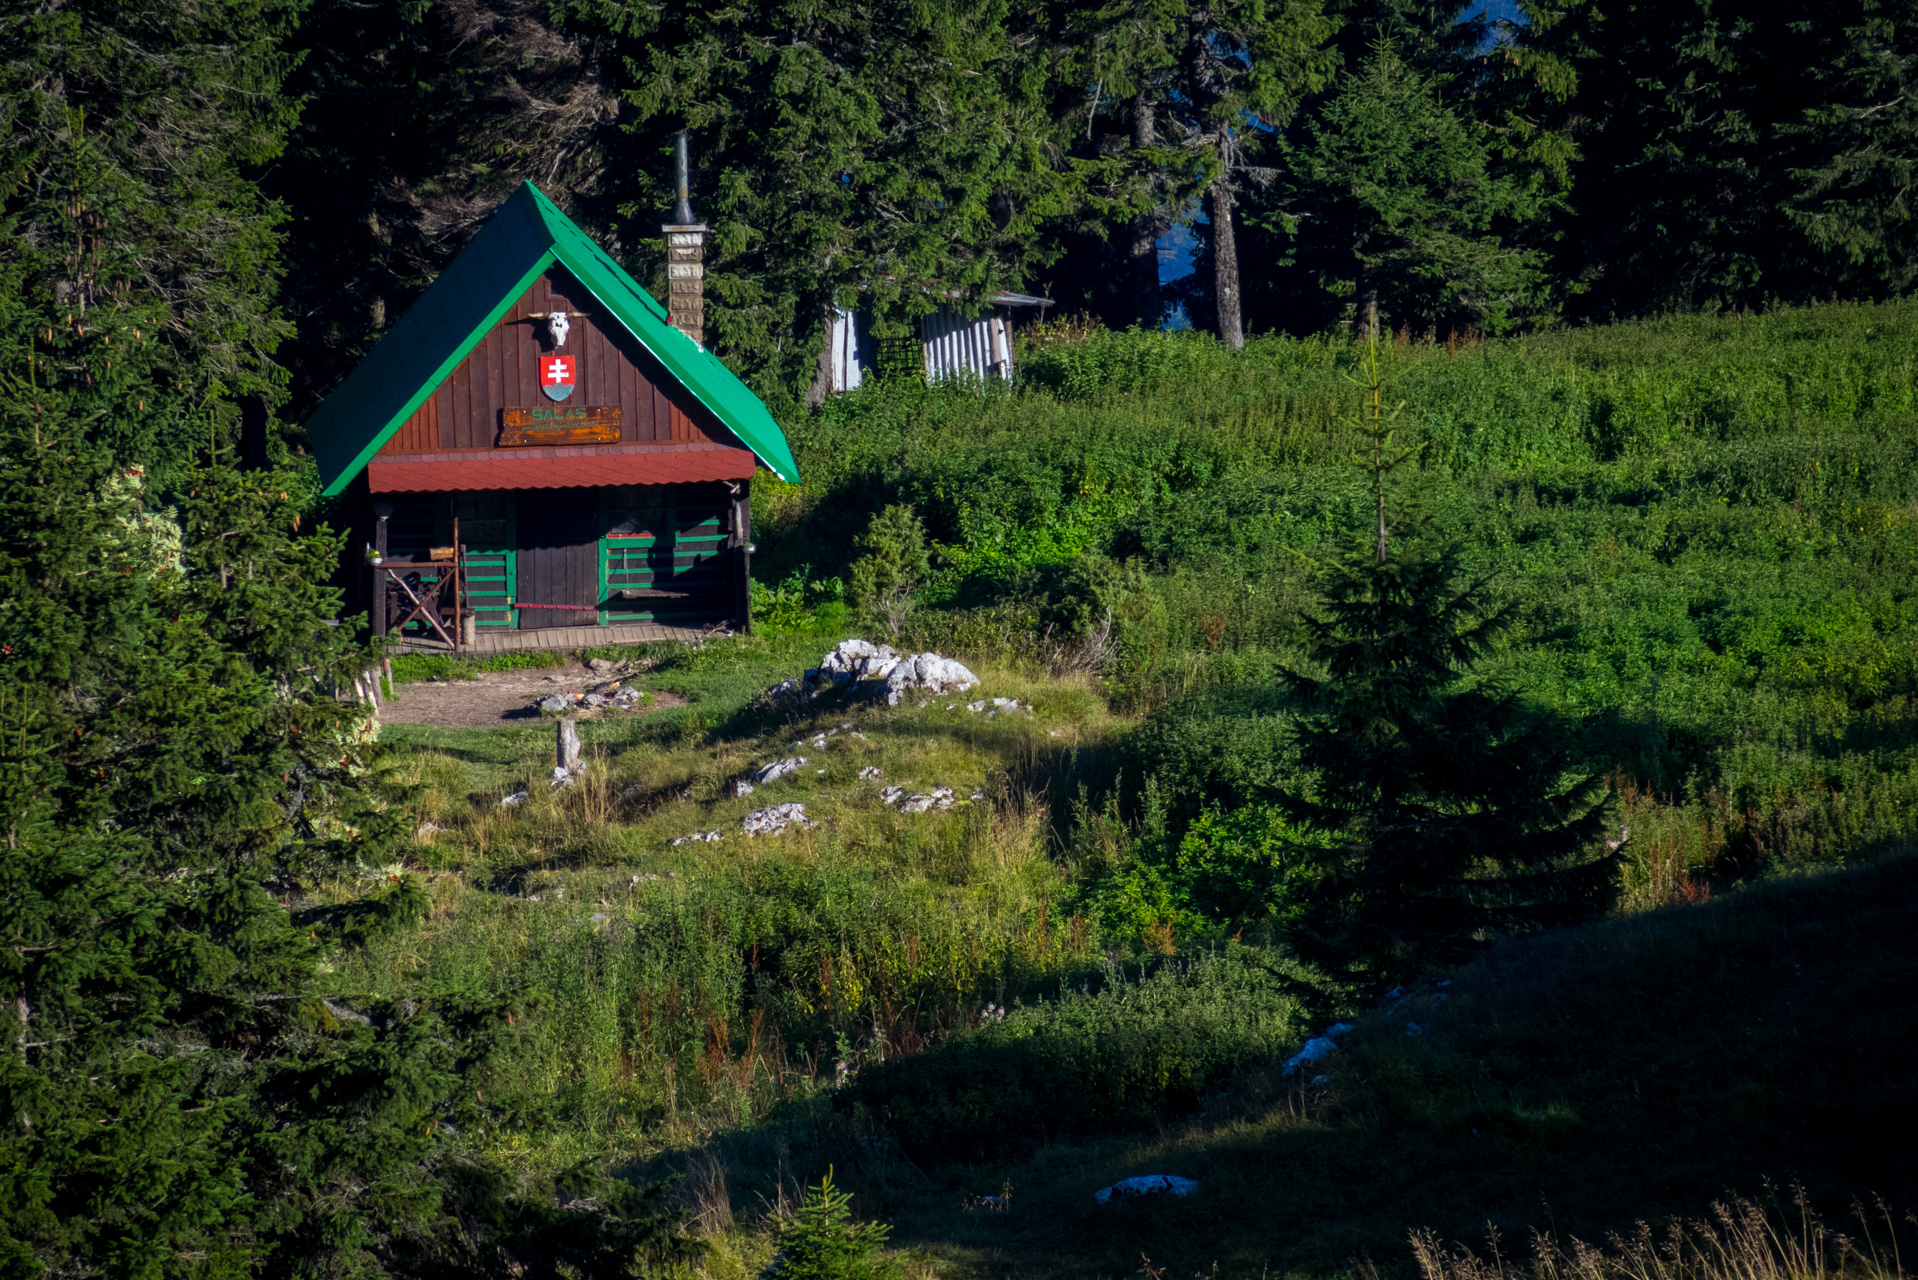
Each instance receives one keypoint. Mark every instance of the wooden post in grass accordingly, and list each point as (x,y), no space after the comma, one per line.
(567,756)
(459,566)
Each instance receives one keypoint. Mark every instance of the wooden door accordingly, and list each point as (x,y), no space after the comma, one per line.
(558,558)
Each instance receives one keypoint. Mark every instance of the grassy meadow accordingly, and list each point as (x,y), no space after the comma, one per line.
(1706,529)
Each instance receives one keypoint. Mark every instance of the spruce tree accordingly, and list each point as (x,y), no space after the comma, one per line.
(821,1241)
(1458,812)
(1400,205)
(140,258)
(183,1091)
(899,158)
(892,565)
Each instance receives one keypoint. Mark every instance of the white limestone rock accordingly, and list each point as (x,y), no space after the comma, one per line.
(778,769)
(777,819)
(930,672)
(939,798)
(850,662)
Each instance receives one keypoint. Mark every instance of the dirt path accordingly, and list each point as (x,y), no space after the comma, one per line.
(499,699)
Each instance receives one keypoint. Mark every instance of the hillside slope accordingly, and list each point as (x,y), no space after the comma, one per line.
(1575,1082)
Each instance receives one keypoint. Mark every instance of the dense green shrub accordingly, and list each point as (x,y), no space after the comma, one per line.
(1118,1053)
(1225,743)
(799,603)
(1242,872)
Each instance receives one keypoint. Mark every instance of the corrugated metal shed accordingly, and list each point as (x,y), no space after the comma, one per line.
(527,235)
(953,342)
(958,344)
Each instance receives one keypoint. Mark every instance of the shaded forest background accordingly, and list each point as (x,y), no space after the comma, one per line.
(287,177)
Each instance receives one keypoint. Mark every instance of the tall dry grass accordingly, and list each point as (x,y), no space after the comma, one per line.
(1739,1239)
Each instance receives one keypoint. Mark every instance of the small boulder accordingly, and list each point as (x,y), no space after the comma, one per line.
(938,798)
(1146,1184)
(1317,1047)
(850,662)
(1311,1051)
(778,769)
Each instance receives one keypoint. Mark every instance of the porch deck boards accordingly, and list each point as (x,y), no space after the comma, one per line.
(504,640)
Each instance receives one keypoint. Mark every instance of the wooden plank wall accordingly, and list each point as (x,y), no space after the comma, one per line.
(503,371)
(558,533)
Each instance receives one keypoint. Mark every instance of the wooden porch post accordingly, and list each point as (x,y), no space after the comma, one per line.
(381,511)
(459,567)
(742,545)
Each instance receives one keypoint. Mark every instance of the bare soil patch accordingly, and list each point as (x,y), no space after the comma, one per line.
(500,699)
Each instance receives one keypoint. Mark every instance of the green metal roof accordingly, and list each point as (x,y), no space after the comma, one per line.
(527,235)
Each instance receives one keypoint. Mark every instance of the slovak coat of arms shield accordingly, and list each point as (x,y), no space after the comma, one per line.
(556,376)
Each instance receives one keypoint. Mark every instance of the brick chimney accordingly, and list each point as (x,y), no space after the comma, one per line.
(685,256)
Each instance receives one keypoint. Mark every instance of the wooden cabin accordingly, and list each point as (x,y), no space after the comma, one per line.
(540,457)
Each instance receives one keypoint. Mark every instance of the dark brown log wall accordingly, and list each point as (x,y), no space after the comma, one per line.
(503,372)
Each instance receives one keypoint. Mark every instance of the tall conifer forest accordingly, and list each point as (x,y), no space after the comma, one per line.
(1441,581)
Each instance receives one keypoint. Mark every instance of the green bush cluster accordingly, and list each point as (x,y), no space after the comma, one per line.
(1237,873)
(799,603)
(1116,1053)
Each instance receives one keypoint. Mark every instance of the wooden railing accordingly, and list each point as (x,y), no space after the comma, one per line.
(423,591)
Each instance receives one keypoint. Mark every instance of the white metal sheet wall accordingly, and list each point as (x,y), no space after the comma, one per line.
(846,355)
(957,344)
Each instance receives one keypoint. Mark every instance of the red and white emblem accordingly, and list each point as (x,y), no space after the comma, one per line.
(556,376)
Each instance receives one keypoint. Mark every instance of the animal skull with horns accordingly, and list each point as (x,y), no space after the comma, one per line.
(557,325)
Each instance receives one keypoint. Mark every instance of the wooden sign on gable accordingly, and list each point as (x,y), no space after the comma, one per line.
(558,425)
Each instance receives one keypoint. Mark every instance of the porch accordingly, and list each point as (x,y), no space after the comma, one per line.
(503,640)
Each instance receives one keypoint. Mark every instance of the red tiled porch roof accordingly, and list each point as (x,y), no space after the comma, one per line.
(562,468)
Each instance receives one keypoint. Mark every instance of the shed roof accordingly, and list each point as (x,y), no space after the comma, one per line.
(527,235)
